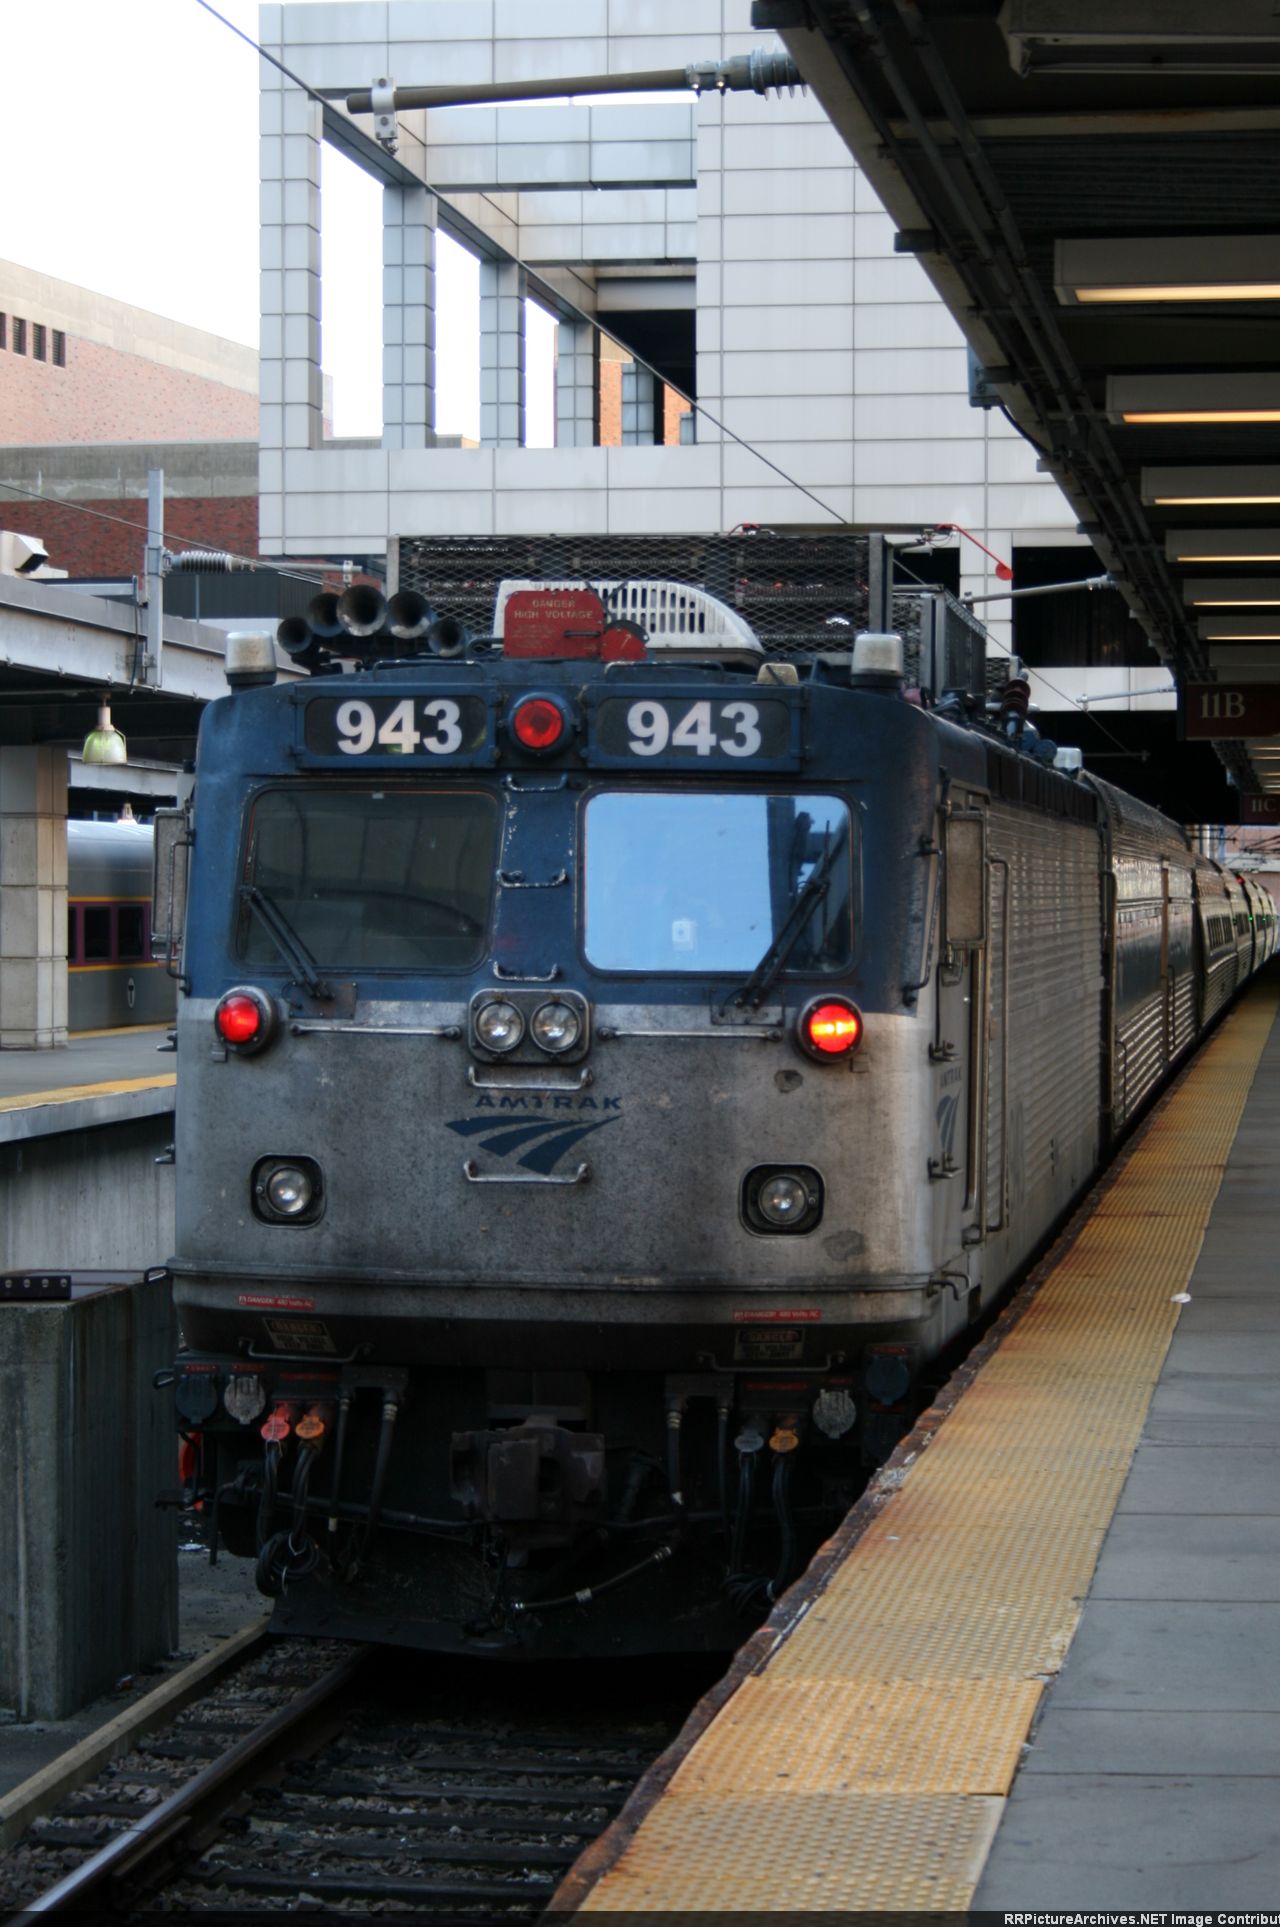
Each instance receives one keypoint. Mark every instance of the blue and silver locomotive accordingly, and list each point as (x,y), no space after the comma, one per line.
(618,1060)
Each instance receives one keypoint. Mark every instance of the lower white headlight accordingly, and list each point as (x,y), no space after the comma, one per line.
(783,1199)
(289,1190)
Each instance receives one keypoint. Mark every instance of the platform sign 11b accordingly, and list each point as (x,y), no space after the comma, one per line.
(1212,711)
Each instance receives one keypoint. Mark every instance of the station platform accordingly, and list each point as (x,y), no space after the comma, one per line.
(97,1077)
(1039,1665)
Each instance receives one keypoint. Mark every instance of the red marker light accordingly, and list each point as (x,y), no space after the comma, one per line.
(238,1020)
(831,1029)
(245,1019)
(539,724)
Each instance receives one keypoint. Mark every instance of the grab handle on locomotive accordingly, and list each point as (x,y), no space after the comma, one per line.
(474,1175)
(579,1083)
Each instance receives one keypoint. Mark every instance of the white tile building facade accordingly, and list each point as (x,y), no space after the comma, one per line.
(818,346)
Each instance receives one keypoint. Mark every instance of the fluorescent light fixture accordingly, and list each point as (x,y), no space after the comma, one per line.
(1245,662)
(1232,592)
(1222,545)
(1247,627)
(1168,268)
(1210,487)
(1167,400)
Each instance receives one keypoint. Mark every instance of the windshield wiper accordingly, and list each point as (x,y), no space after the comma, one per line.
(287,942)
(774,960)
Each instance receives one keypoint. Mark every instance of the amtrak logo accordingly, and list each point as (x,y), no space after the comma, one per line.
(538,1143)
(948,1116)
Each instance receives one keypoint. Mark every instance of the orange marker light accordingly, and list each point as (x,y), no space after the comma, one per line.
(831,1029)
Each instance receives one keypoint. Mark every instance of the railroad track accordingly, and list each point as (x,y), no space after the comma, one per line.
(353,1778)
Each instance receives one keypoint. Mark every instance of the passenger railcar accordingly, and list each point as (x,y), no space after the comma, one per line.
(112,980)
(610,1076)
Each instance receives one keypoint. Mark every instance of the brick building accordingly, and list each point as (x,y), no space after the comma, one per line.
(93,392)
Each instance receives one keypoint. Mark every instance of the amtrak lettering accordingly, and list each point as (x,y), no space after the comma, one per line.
(540,1144)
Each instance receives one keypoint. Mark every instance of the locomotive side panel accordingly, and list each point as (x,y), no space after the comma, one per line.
(1043,1136)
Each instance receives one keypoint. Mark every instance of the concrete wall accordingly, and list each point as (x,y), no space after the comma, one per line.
(90,1564)
(87,1199)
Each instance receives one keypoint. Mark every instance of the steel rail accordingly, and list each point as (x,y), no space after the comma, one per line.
(211,1790)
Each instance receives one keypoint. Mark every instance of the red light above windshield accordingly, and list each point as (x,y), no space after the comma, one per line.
(538,724)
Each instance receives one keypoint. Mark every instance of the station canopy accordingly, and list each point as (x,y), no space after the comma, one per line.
(1093,186)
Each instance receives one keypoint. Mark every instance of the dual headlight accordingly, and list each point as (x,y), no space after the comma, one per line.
(554,1026)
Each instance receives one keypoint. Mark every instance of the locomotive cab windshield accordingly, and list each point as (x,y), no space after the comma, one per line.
(703,882)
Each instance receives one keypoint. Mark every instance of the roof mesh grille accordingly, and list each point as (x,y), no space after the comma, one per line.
(800,594)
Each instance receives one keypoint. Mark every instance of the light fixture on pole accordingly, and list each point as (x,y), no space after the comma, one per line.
(1182,268)
(104,746)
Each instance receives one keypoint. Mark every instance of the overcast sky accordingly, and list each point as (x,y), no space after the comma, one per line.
(129,149)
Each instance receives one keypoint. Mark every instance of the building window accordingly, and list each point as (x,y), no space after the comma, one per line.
(19,336)
(59,348)
(39,340)
(4,331)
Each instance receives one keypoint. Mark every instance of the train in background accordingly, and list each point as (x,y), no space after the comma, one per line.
(620,1057)
(112,979)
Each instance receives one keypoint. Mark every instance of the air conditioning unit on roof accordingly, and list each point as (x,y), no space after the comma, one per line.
(678,621)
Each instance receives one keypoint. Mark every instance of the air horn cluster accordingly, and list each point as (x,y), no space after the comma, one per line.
(365,625)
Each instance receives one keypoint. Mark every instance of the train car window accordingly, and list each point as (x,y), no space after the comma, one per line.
(385,879)
(73,937)
(97,932)
(684,881)
(130,932)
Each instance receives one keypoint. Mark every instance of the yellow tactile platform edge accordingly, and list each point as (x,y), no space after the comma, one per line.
(865,1767)
(73,1093)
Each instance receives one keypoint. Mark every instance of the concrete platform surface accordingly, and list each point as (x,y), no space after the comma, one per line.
(1153,1777)
(101,1077)
(93,1057)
